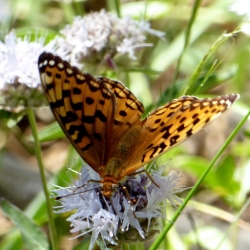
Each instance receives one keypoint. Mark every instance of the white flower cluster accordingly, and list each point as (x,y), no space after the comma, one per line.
(97,38)
(105,219)
(100,35)
(242,8)
(19,79)
(18,62)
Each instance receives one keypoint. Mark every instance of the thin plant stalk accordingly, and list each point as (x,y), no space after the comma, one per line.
(52,229)
(187,37)
(243,209)
(190,87)
(117,7)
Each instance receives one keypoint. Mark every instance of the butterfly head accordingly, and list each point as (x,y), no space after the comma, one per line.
(109,186)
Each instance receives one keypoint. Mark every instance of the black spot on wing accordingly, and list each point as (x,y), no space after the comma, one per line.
(101,102)
(189,132)
(98,137)
(122,113)
(76,91)
(70,117)
(89,100)
(76,106)
(166,130)
(173,140)
(100,115)
(180,128)
(58,76)
(183,119)
(196,121)
(66,93)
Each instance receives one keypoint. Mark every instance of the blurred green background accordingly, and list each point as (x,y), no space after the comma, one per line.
(214,62)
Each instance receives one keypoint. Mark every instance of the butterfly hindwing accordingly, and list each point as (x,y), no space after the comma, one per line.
(128,111)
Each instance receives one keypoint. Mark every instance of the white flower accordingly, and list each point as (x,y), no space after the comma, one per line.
(241,7)
(19,77)
(113,220)
(101,35)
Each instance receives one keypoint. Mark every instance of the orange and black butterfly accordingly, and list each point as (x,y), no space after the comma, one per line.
(102,120)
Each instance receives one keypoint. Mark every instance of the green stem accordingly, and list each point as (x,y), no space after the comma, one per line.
(117,7)
(161,237)
(243,209)
(52,229)
(19,135)
(187,37)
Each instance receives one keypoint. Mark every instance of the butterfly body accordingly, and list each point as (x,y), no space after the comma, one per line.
(102,120)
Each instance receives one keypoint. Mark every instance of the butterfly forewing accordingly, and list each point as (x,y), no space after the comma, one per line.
(164,129)
(82,105)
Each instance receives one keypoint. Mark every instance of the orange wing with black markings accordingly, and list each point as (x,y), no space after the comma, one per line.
(90,110)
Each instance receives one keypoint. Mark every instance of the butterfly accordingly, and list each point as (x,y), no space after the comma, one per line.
(102,120)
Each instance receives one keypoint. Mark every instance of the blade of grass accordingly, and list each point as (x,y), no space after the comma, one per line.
(243,209)
(187,37)
(32,235)
(222,214)
(190,87)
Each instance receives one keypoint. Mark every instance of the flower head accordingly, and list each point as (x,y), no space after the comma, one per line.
(241,7)
(120,218)
(100,37)
(19,78)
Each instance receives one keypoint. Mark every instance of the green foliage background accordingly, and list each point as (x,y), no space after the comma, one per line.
(204,54)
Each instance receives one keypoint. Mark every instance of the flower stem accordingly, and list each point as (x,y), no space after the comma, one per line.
(38,153)
(187,37)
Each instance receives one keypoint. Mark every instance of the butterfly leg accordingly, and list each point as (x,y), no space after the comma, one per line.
(146,172)
(130,201)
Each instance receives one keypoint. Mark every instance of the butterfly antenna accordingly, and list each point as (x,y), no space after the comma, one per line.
(149,166)
(75,193)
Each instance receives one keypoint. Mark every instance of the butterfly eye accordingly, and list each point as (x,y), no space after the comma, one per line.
(114,187)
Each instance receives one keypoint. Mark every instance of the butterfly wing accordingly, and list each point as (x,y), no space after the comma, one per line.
(81,103)
(128,111)
(93,112)
(170,125)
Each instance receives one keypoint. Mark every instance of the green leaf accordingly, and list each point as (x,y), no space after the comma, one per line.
(11,241)
(10,119)
(50,133)
(247,133)
(225,175)
(33,236)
